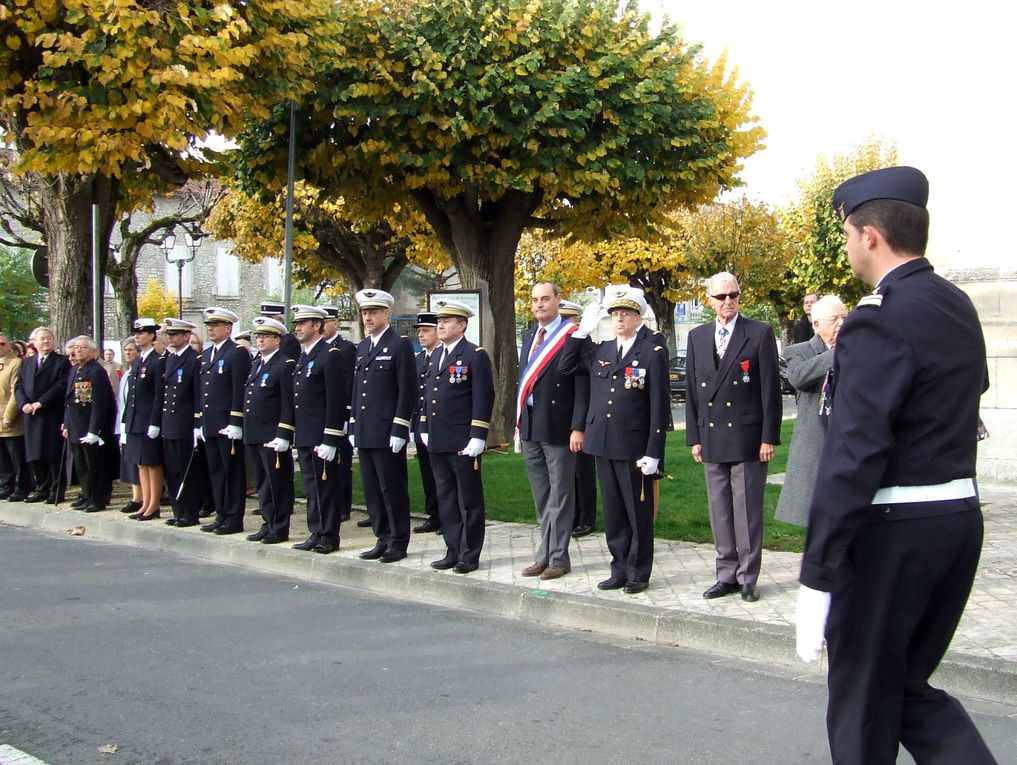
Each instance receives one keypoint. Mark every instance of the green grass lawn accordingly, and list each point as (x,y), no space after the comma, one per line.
(683,511)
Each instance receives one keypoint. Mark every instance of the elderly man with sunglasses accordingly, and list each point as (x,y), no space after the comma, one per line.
(732,423)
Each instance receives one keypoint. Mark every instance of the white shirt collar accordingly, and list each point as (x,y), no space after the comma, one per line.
(730,325)
(217,346)
(310,347)
(450,348)
(266,359)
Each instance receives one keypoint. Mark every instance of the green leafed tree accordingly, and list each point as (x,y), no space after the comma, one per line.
(22,300)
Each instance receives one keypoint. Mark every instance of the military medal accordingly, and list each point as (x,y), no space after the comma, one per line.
(222,363)
(264,379)
(180,375)
(310,366)
(745,370)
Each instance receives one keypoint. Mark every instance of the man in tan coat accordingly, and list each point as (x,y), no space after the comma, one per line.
(15,477)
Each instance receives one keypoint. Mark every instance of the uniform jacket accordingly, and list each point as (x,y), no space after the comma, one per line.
(560,402)
(90,405)
(423,363)
(290,347)
(910,370)
(221,387)
(807,365)
(321,395)
(384,390)
(460,397)
(268,399)
(623,423)
(733,408)
(349,360)
(10,369)
(141,402)
(48,386)
(176,388)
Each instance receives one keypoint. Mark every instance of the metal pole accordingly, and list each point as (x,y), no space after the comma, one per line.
(96,281)
(288,236)
(180,289)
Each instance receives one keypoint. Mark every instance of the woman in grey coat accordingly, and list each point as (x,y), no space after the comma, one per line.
(807,365)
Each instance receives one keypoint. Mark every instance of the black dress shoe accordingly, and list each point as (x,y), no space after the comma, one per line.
(363,523)
(183,523)
(272,539)
(229,528)
(444,564)
(36,497)
(211,526)
(258,535)
(633,588)
(171,521)
(206,512)
(343,517)
(5,495)
(611,583)
(427,526)
(465,568)
(17,497)
(79,503)
(324,548)
(581,531)
(375,552)
(94,508)
(750,593)
(151,517)
(308,544)
(720,589)
(134,516)
(391,556)
(131,507)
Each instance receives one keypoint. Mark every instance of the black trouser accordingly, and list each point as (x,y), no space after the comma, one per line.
(628,518)
(323,485)
(890,623)
(273,472)
(427,477)
(386,495)
(176,454)
(15,476)
(460,492)
(47,474)
(586,490)
(226,471)
(86,480)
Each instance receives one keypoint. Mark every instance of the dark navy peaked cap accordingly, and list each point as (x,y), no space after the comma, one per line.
(905,184)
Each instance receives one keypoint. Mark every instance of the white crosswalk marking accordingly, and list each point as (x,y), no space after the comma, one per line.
(11,756)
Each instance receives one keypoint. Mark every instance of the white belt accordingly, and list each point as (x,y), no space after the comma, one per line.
(961,488)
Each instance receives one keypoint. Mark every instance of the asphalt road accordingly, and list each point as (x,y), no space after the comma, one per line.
(175,660)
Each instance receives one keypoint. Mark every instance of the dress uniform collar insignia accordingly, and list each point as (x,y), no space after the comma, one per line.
(603,363)
(875,301)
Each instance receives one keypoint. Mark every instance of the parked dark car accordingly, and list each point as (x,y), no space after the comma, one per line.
(677,375)
(785,385)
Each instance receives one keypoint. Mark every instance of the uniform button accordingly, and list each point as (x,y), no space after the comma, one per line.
(297,406)
(614,377)
(434,401)
(363,407)
(728,403)
(711,424)
(364,393)
(710,404)
(436,387)
(735,382)
(553,401)
(609,415)
(612,390)
(609,403)
(730,425)
(703,384)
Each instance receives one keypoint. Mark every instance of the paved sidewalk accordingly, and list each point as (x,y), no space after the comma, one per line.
(982,660)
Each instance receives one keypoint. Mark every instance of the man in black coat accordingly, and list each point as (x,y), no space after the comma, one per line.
(732,423)
(895,529)
(40,392)
(585,520)
(88,426)
(276,311)
(427,336)
(803,330)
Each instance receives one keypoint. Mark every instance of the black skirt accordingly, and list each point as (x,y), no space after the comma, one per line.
(142,450)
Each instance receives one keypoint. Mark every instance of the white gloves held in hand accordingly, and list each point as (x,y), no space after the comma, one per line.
(474,448)
(232,432)
(396,444)
(326,453)
(91,438)
(811,610)
(423,438)
(590,321)
(153,431)
(648,465)
(278,445)
(123,438)
(198,436)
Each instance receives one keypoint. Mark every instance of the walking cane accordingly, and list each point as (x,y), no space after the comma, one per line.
(187,472)
(63,471)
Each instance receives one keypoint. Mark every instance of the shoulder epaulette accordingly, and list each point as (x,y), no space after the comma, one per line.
(291,361)
(481,349)
(875,301)
(332,350)
(658,348)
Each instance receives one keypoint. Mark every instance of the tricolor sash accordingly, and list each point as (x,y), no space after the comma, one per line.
(538,363)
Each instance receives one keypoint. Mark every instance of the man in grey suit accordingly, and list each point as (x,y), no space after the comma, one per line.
(732,423)
(807,366)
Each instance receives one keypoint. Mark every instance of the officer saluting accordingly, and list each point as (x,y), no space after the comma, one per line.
(895,529)
(268,429)
(276,311)
(224,370)
(626,426)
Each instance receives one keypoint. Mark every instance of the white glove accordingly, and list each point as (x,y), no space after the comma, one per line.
(474,448)
(423,438)
(198,436)
(590,321)
(396,444)
(324,452)
(517,444)
(90,438)
(123,438)
(232,432)
(810,622)
(153,431)
(648,465)
(351,441)
(278,445)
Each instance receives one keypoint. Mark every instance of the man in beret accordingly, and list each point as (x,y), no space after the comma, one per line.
(895,529)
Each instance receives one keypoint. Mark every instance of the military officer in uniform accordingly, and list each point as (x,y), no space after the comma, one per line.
(173,418)
(276,311)
(321,395)
(427,336)
(384,390)
(88,425)
(143,446)
(626,427)
(895,529)
(224,371)
(585,521)
(345,466)
(268,430)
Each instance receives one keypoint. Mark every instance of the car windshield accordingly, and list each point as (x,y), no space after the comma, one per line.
(678,361)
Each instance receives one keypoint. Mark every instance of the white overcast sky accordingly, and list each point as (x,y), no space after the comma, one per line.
(936,78)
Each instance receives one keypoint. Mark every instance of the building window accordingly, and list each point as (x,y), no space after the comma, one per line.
(273,277)
(227,272)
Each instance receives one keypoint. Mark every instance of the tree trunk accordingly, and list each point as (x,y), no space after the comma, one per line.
(66,202)
(663,309)
(125,288)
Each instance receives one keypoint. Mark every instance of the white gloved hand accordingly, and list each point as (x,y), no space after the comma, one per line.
(423,438)
(351,441)
(90,438)
(198,436)
(153,431)
(123,438)
(324,452)
(278,445)
(232,432)
(396,444)
(648,465)
(517,444)
(474,448)
(811,611)
(590,321)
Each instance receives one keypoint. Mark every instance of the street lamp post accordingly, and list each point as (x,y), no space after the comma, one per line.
(193,241)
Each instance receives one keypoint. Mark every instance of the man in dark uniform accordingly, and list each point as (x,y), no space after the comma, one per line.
(40,392)
(88,426)
(427,336)
(289,345)
(224,371)
(895,529)
(321,395)
(626,427)
(173,418)
(732,424)
(454,428)
(344,466)
(383,394)
(268,430)
(585,521)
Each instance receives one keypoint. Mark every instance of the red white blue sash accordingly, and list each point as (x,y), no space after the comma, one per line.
(538,363)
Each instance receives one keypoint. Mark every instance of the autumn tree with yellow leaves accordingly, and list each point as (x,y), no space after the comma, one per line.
(497,117)
(103,101)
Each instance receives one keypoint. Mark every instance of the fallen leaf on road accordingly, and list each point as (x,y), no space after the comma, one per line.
(77,531)
(108,748)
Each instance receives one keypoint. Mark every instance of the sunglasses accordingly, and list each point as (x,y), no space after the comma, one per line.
(725,295)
